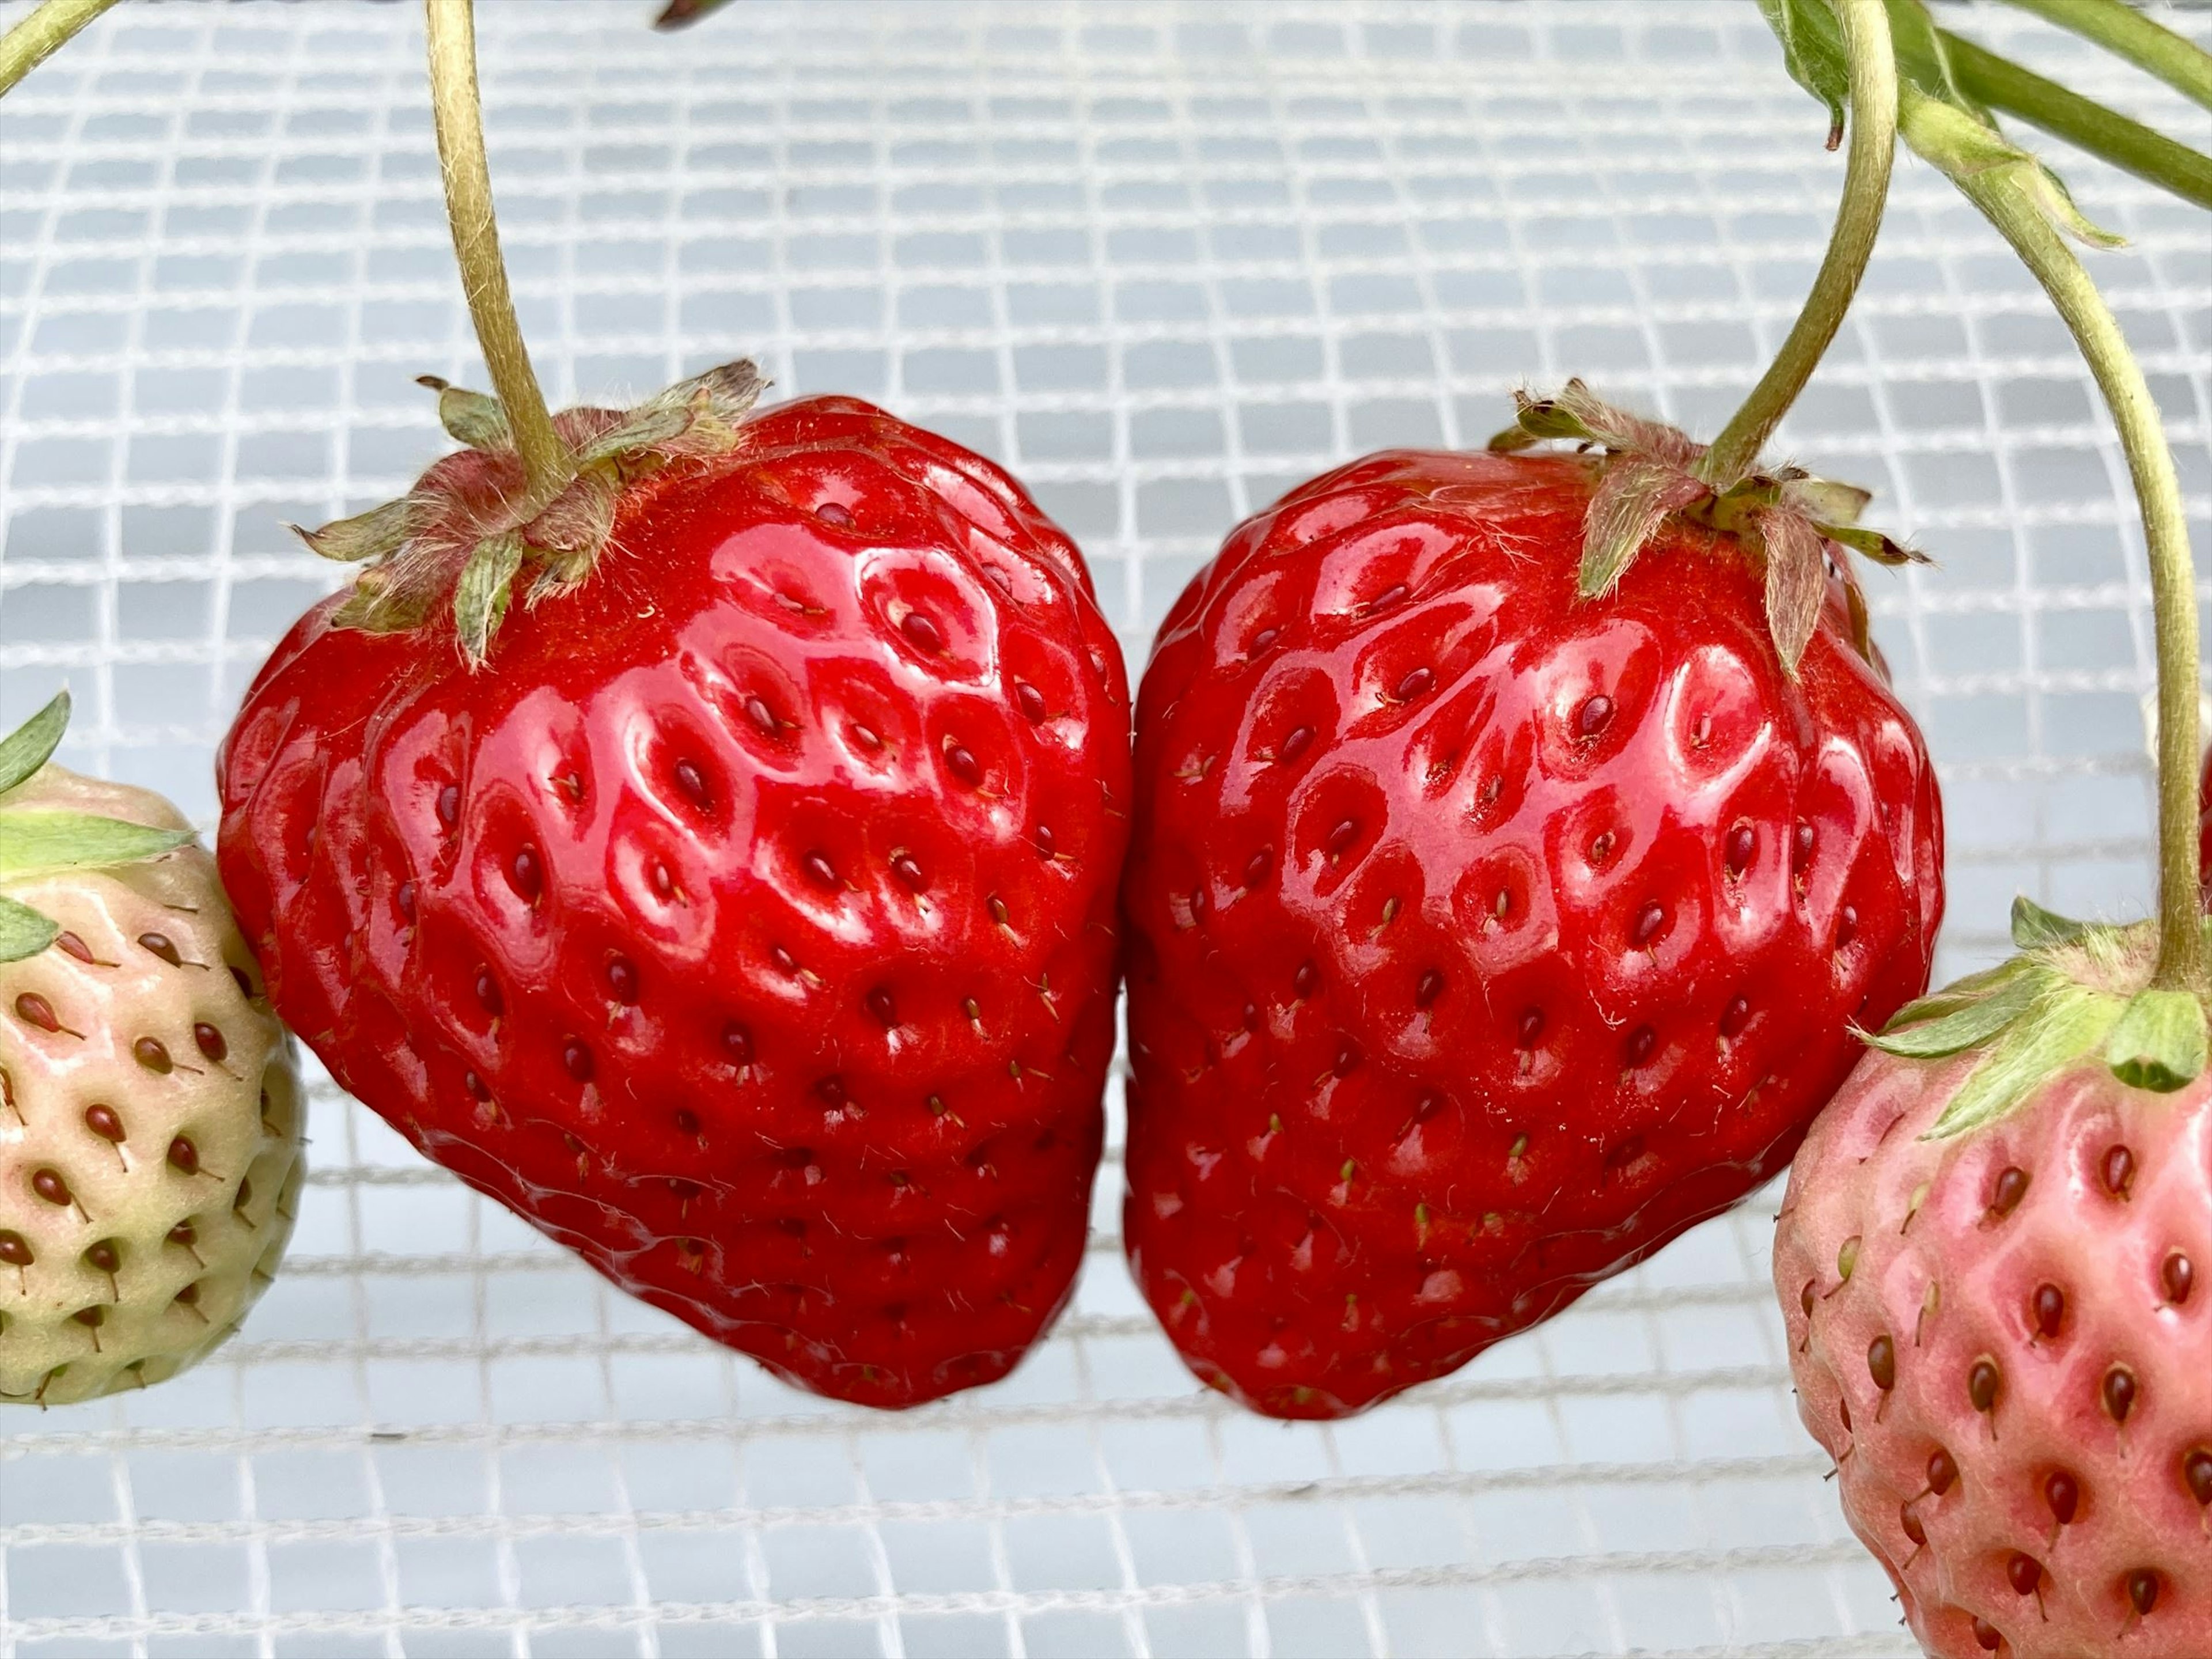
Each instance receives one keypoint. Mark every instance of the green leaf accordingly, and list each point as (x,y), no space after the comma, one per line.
(481,597)
(2034,928)
(34,841)
(1813,52)
(2159,1043)
(375,534)
(23,930)
(1631,502)
(1965,1027)
(474,418)
(31,745)
(2062,1025)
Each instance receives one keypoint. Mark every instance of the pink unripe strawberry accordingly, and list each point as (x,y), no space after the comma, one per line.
(149,1107)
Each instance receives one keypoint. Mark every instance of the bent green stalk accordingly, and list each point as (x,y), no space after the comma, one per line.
(2007,88)
(42,34)
(457,105)
(1873,62)
(2119,378)
(2126,33)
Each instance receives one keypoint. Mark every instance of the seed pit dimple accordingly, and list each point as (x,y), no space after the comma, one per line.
(1847,925)
(1640,1043)
(1743,842)
(687,1124)
(474,1085)
(1881,1362)
(2118,1392)
(1256,867)
(2011,1187)
(819,869)
(1983,1381)
(151,1054)
(1428,988)
(1649,921)
(244,984)
(1735,1016)
(1030,700)
(577,1059)
(692,783)
(1306,979)
(1342,836)
(488,993)
(2179,1276)
(1532,1026)
(2062,1493)
(1625,1153)
(2118,1171)
(162,947)
(449,806)
(2143,1586)
(2049,1307)
(880,1007)
(921,633)
(525,874)
(211,1041)
(622,979)
(405,897)
(1595,716)
(832,1089)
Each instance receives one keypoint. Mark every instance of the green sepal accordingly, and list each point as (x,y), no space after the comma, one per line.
(1963,1025)
(35,842)
(1959,993)
(1978,158)
(2159,1043)
(1796,582)
(23,930)
(1881,549)
(482,594)
(2058,1028)
(2034,928)
(376,534)
(1823,499)
(1631,502)
(32,745)
(474,418)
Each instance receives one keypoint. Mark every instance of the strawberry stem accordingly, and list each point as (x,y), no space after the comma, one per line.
(458,106)
(2017,213)
(1866,189)
(41,35)
(2126,33)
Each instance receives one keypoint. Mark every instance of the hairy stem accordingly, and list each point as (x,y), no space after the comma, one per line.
(1866,189)
(2126,33)
(454,100)
(2166,532)
(2148,154)
(42,34)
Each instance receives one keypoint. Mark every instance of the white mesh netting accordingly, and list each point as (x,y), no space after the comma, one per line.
(1164,261)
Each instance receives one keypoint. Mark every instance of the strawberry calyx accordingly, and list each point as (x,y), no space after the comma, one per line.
(2074,988)
(37,840)
(473,525)
(1783,516)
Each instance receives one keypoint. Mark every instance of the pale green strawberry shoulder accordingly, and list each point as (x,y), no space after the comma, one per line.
(42,833)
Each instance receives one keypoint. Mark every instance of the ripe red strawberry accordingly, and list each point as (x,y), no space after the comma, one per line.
(747,923)
(1484,937)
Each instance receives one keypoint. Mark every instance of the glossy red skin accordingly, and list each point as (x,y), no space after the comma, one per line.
(1330,1199)
(798,1197)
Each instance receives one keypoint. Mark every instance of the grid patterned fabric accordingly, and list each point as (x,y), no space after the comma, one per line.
(1164,261)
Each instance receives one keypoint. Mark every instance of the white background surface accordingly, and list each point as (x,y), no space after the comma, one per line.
(1165,261)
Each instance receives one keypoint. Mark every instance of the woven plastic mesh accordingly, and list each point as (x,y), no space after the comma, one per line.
(1164,262)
